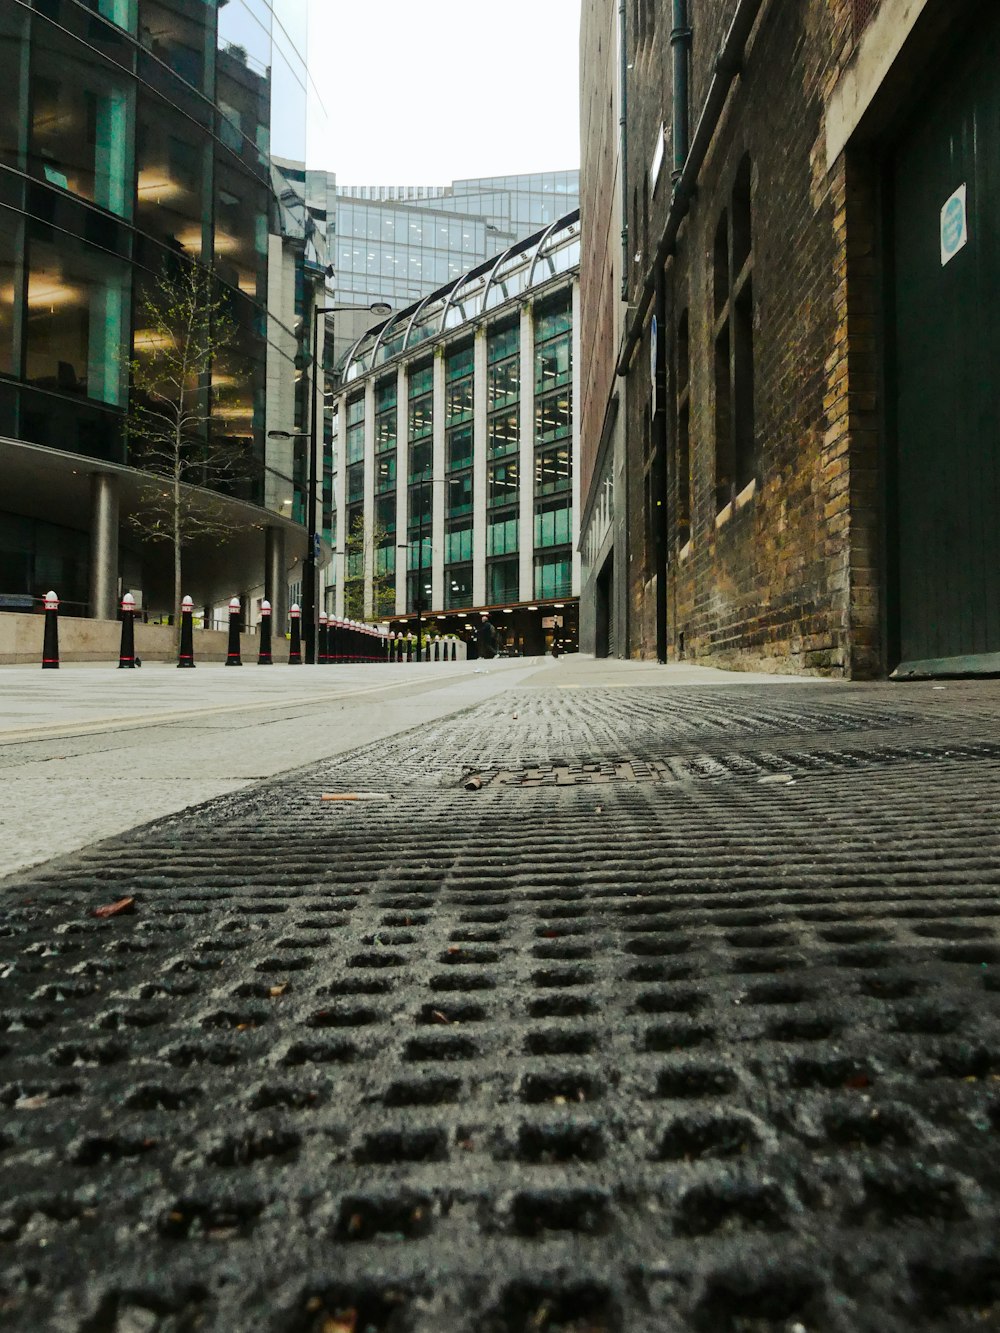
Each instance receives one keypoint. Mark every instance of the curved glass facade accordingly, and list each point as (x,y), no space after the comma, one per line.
(135,135)
(517,271)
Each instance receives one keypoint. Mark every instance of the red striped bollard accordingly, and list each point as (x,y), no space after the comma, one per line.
(264,657)
(233,654)
(126,654)
(323,640)
(295,643)
(185,655)
(50,642)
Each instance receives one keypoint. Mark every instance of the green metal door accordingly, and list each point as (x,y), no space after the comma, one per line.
(945,185)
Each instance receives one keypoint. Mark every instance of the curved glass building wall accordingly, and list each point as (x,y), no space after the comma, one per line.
(473,453)
(135,136)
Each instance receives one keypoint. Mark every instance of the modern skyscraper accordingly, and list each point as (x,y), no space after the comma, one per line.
(136,138)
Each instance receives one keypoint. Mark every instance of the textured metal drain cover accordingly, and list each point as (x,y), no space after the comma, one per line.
(685,768)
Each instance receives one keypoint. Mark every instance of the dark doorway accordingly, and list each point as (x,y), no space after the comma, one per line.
(605,601)
(944,312)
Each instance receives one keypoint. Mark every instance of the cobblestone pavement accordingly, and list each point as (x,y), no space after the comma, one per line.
(686,1019)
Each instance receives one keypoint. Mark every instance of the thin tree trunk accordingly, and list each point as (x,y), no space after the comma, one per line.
(178,592)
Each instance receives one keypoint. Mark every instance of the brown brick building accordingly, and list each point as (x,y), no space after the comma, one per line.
(791,414)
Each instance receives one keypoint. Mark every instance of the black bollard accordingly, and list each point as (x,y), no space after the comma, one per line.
(50,643)
(233,654)
(323,640)
(295,643)
(409,650)
(437,650)
(126,655)
(185,656)
(264,657)
(454,650)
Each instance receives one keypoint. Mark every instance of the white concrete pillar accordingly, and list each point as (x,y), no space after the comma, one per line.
(526,457)
(402,473)
(575,401)
(438,487)
(369,497)
(340,504)
(479,440)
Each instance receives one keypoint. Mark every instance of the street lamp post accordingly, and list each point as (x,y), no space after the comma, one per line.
(309,565)
(418,601)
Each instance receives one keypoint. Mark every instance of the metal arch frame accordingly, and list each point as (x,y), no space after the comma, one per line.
(382,334)
(538,250)
(413,319)
(460,283)
(349,359)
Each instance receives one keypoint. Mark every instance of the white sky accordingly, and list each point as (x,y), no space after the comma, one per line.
(422,92)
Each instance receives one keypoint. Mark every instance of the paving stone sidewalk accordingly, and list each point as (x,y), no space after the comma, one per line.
(685,1019)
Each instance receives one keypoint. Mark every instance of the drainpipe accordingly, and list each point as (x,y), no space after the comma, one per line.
(680,43)
(623,136)
(727,67)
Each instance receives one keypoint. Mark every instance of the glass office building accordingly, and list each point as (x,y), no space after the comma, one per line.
(136,136)
(399,243)
(455,453)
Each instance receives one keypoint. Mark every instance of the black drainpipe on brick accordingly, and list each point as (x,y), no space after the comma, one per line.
(727,67)
(623,135)
(680,42)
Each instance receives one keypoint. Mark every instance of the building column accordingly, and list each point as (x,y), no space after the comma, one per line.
(402,487)
(526,457)
(103,546)
(368,510)
(575,407)
(439,489)
(479,440)
(276,578)
(340,504)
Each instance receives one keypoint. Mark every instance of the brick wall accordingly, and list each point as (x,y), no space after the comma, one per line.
(790,579)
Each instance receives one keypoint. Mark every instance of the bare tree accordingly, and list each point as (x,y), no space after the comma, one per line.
(185,330)
(359,543)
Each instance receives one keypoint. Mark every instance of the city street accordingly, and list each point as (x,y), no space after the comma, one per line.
(528,995)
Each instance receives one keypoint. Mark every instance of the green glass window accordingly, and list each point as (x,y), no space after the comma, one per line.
(385,473)
(13,80)
(385,393)
(421,460)
(419,503)
(553,470)
(241,233)
(460,444)
(458,402)
(458,545)
(355,411)
(553,417)
(386,415)
(502,483)
(457,587)
(502,343)
(77,317)
(460,494)
(421,382)
(503,434)
(553,575)
(421,417)
(502,537)
(502,582)
(81,113)
(554,524)
(179,35)
(552,321)
(385,513)
(460,363)
(355,482)
(503,384)
(554,364)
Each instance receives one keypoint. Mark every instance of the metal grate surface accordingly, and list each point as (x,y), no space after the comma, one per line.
(674,1056)
(863,13)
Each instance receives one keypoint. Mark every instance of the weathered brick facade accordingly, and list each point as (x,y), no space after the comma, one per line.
(782,565)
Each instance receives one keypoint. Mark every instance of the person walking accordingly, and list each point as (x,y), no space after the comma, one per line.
(487,638)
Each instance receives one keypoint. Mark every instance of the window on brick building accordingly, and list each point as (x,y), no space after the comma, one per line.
(735,435)
(682,427)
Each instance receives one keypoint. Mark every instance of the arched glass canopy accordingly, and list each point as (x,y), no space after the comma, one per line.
(530,263)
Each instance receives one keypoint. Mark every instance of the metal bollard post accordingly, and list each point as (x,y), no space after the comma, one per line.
(50,643)
(437,650)
(295,643)
(185,655)
(264,657)
(233,654)
(454,650)
(126,654)
(323,641)
(409,650)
